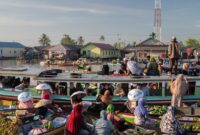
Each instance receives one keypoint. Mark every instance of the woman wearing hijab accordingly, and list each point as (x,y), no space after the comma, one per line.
(102,125)
(152,68)
(134,68)
(140,112)
(178,88)
(75,122)
(25,101)
(116,121)
(169,124)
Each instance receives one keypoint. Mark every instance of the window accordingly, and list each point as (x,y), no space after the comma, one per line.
(10,52)
(14,52)
(1,51)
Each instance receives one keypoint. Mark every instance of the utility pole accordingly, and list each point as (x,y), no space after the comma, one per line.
(157,20)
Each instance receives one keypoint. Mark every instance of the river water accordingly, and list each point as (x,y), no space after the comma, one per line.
(14,63)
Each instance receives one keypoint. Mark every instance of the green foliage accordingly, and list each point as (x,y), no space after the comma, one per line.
(102,38)
(152,35)
(67,40)
(191,42)
(44,40)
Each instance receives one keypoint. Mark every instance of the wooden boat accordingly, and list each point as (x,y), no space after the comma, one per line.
(13,69)
(10,94)
(56,131)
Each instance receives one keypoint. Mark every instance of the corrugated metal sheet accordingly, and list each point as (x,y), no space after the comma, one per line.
(150,42)
(11,44)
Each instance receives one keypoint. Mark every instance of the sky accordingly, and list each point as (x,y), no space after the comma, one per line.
(24,21)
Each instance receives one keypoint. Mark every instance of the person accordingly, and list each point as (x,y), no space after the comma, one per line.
(178,88)
(116,121)
(25,101)
(192,85)
(123,69)
(133,67)
(106,86)
(86,89)
(173,51)
(103,126)
(75,122)
(169,124)
(152,68)
(22,86)
(72,88)
(145,89)
(105,69)
(140,112)
(106,99)
(46,90)
(79,87)
(119,91)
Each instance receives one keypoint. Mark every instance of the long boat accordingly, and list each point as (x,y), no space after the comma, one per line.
(9,95)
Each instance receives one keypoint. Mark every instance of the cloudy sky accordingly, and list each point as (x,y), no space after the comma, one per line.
(131,20)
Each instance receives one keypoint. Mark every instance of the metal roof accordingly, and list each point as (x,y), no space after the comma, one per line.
(102,46)
(11,44)
(150,42)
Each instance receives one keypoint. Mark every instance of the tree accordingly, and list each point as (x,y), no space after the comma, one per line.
(117,45)
(67,40)
(80,40)
(102,38)
(191,42)
(44,40)
(153,35)
(134,43)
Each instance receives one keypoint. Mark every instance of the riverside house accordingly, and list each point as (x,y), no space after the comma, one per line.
(11,49)
(65,52)
(99,50)
(152,47)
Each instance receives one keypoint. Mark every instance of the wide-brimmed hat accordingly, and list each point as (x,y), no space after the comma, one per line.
(75,94)
(44,86)
(135,94)
(24,97)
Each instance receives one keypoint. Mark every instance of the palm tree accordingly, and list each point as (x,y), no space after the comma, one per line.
(102,38)
(153,35)
(80,40)
(44,40)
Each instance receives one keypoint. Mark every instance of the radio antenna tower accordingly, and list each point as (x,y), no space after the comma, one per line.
(157,20)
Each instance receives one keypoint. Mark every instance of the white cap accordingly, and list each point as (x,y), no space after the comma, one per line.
(173,38)
(24,97)
(44,86)
(135,94)
(125,59)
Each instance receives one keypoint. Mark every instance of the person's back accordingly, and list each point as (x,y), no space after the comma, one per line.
(103,127)
(173,50)
(152,68)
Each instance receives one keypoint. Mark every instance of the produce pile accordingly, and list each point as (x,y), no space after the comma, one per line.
(158,110)
(9,127)
(193,128)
